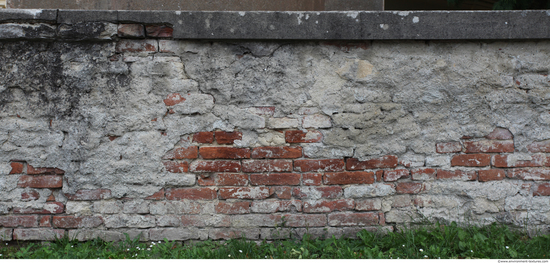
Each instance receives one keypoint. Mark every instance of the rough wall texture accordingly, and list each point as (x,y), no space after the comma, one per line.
(108,129)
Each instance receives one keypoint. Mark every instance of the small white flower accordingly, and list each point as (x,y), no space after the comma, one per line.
(229,255)
(266,256)
(136,254)
(421,250)
(148,249)
(403,245)
(159,242)
(6,244)
(0,255)
(507,247)
(151,246)
(240,251)
(472,251)
(71,246)
(153,243)
(425,256)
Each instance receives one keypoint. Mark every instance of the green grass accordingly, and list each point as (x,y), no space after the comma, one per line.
(449,241)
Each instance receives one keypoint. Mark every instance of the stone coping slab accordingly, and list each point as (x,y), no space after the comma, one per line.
(332,25)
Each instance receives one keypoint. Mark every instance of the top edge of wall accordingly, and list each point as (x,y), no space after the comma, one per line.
(314,25)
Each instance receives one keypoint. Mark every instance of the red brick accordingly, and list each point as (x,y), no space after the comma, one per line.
(539,147)
(258,166)
(173,99)
(244,193)
(368,205)
(382,219)
(131,30)
(409,188)
(41,181)
(127,45)
(30,195)
(224,153)
(159,31)
(191,194)
(19,221)
(216,166)
(530,174)
(394,175)
(43,170)
(457,175)
(448,147)
(49,208)
(274,206)
(472,160)
(353,219)
(423,174)
(275,179)
(327,165)
(16,168)
(77,222)
(191,152)
(206,220)
(500,134)
(273,152)
(329,192)
(303,136)
(328,206)
(507,161)
(89,195)
(301,220)
(358,177)
(233,208)
(491,175)
(176,167)
(542,190)
(312,179)
(379,175)
(51,198)
(281,192)
(203,137)
(228,179)
(156,196)
(45,221)
(489,146)
(228,137)
(388,161)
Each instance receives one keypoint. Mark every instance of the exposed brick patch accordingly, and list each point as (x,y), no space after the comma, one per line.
(227,137)
(203,137)
(224,153)
(176,167)
(233,208)
(530,174)
(312,178)
(216,166)
(402,201)
(45,221)
(88,195)
(353,219)
(191,194)
(542,190)
(51,198)
(275,179)
(448,147)
(19,221)
(491,175)
(131,30)
(329,192)
(281,192)
(229,179)
(41,181)
(500,134)
(206,220)
(273,206)
(43,170)
(508,161)
(190,152)
(159,31)
(379,175)
(30,195)
(539,147)
(16,168)
(244,193)
(388,161)
(423,174)
(224,233)
(173,99)
(326,165)
(456,175)
(298,136)
(489,146)
(156,196)
(48,208)
(328,206)
(258,166)
(300,220)
(472,160)
(358,177)
(127,45)
(394,175)
(38,234)
(409,188)
(77,222)
(368,205)
(272,152)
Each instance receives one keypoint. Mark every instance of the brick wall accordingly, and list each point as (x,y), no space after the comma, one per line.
(119,128)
